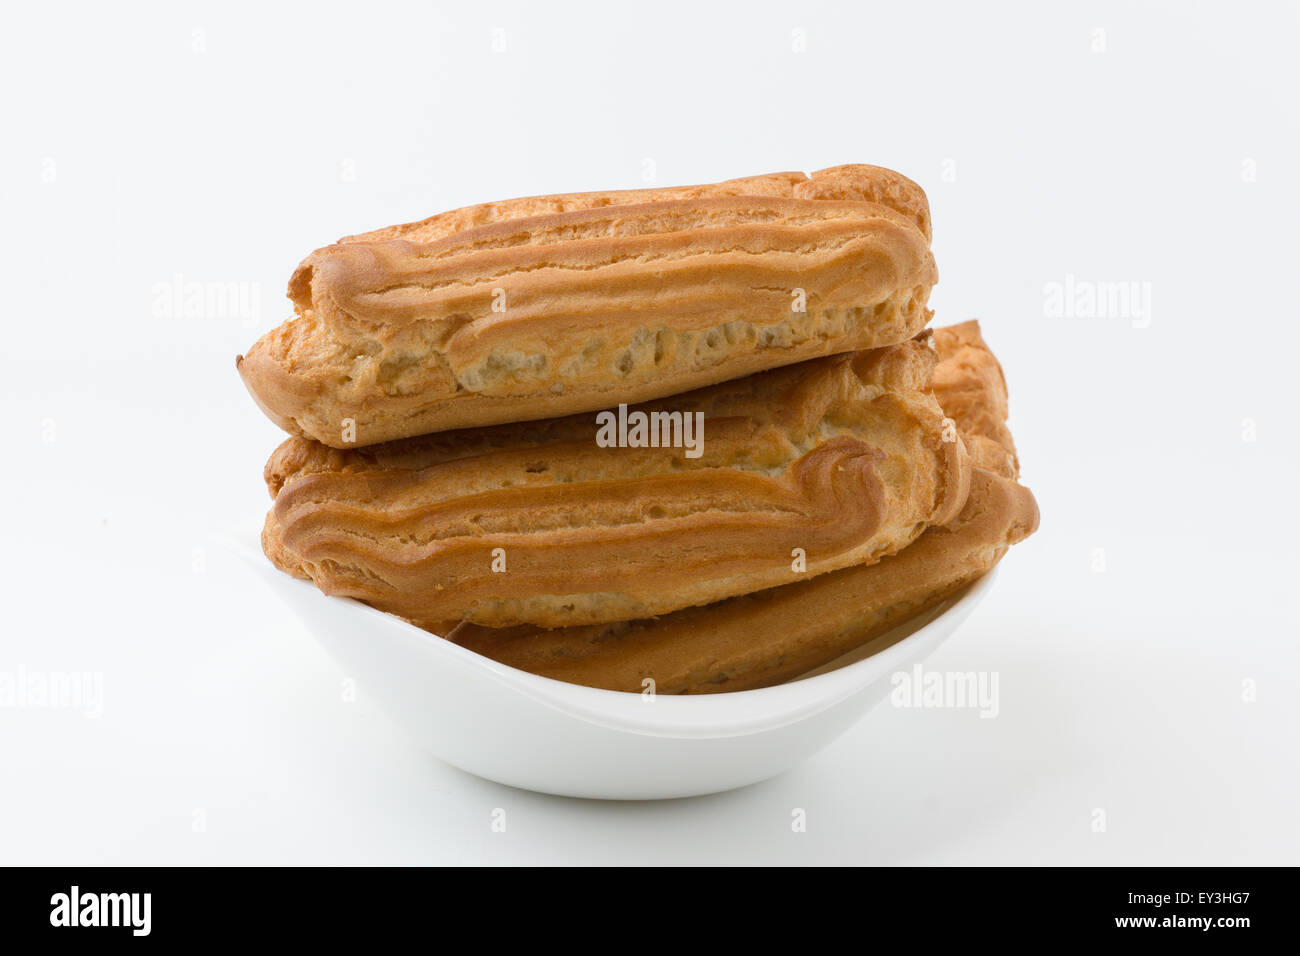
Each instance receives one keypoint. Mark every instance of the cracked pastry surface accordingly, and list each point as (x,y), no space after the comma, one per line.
(552,305)
(771,636)
(844,457)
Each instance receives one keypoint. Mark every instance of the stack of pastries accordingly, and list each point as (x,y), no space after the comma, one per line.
(451,386)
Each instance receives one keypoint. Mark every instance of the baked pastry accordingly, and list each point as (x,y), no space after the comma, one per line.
(802,470)
(543,307)
(860,182)
(969,384)
(765,638)
(772,636)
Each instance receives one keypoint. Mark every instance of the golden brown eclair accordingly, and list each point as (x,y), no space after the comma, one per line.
(771,636)
(554,305)
(861,182)
(768,637)
(847,458)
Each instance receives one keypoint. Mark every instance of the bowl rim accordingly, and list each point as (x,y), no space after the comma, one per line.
(724,714)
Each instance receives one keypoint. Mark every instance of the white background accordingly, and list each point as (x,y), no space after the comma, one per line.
(221,142)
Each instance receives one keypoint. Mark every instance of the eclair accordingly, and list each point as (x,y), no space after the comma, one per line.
(856,181)
(554,305)
(771,636)
(800,471)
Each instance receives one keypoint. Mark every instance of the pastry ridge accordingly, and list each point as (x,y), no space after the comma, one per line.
(853,181)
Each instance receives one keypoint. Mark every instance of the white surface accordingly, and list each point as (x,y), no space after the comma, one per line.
(1120,691)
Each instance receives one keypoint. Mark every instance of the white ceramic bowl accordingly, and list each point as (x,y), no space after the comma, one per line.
(540,734)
